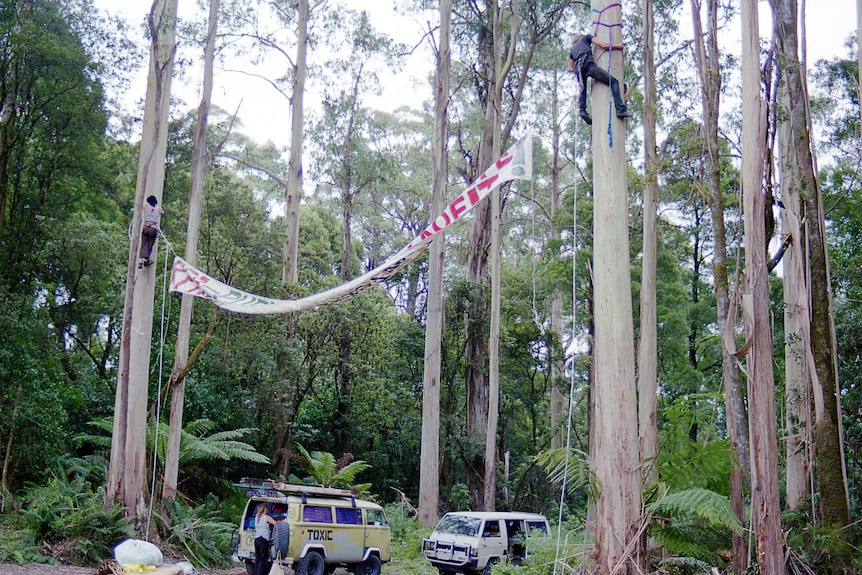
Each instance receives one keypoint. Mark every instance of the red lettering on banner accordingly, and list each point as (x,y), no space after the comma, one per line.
(425,234)
(487,183)
(437,227)
(457,207)
(473,195)
(504,159)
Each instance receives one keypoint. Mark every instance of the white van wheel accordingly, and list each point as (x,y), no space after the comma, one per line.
(370,566)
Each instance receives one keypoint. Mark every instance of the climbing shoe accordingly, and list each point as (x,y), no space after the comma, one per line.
(624,114)
(586,118)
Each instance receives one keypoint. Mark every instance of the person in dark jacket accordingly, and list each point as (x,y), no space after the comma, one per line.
(150,230)
(581,61)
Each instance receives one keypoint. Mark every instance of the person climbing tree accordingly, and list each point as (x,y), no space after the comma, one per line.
(152,214)
(581,61)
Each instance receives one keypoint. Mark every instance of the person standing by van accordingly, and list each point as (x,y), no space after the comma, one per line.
(262,523)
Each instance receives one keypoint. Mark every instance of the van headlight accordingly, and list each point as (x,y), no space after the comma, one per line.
(429,545)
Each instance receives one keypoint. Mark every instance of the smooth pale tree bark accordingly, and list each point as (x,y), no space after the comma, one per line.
(648,339)
(828,444)
(127,473)
(200,161)
(429,460)
(555,298)
(476,349)
(619,542)
(293,190)
(707,58)
(502,70)
(797,395)
(765,505)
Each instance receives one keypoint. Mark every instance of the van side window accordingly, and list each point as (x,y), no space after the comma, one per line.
(539,526)
(317,514)
(492,529)
(348,516)
(376,517)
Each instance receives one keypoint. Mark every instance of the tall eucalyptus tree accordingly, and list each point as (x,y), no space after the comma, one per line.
(615,457)
(429,472)
(127,473)
(200,160)
(820,352)
(708,62)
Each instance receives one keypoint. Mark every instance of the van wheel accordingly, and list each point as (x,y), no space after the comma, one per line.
(370,566)
(249,567)
(489,566)
(311,564)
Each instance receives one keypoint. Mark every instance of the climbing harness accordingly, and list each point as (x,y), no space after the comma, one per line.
(596,23)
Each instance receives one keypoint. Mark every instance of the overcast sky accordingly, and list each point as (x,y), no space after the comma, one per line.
(827,29)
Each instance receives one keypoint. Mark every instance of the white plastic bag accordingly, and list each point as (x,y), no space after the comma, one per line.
(137,551)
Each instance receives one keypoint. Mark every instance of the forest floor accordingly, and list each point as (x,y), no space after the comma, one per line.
(40,569)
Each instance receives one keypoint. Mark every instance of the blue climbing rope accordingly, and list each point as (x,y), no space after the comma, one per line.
(596,23)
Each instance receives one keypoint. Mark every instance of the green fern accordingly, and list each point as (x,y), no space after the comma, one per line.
(703,504)
(325,470)
(195,443)
(570,465)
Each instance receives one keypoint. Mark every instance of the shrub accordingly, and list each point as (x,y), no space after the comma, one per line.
(66,516)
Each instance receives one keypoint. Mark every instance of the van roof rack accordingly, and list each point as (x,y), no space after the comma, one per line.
(293,488)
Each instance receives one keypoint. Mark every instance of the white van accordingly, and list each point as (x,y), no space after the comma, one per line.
(472,541)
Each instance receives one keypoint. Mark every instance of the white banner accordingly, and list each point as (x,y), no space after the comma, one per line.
(515,164)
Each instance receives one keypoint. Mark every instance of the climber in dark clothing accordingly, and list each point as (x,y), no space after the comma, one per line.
(581,61)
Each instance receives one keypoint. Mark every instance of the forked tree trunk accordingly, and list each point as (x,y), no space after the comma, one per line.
(828,444)
(127,473)
(797,394)
(200,161)
(765,505)
(429,473)
(616,462)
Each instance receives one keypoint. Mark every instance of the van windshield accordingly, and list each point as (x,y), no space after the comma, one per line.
(458,525)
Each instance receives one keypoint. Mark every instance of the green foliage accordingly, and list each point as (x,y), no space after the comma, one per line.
(201,533)
(18,545)
(200,448)
(67,515)
(694,523)
(569,465)
(543,553)
(327,471)
(407,533)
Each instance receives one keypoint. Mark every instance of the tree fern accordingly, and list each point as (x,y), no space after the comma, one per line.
(699,503)
(570,465)
(325,470)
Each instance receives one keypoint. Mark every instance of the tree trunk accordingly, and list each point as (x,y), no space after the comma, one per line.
(619,546)
(648,344)
(765,505)
(200,161)
(127,474)
(293,192)
(707,58)
(555,298)
(476,347)
(828,444)
(429,474)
